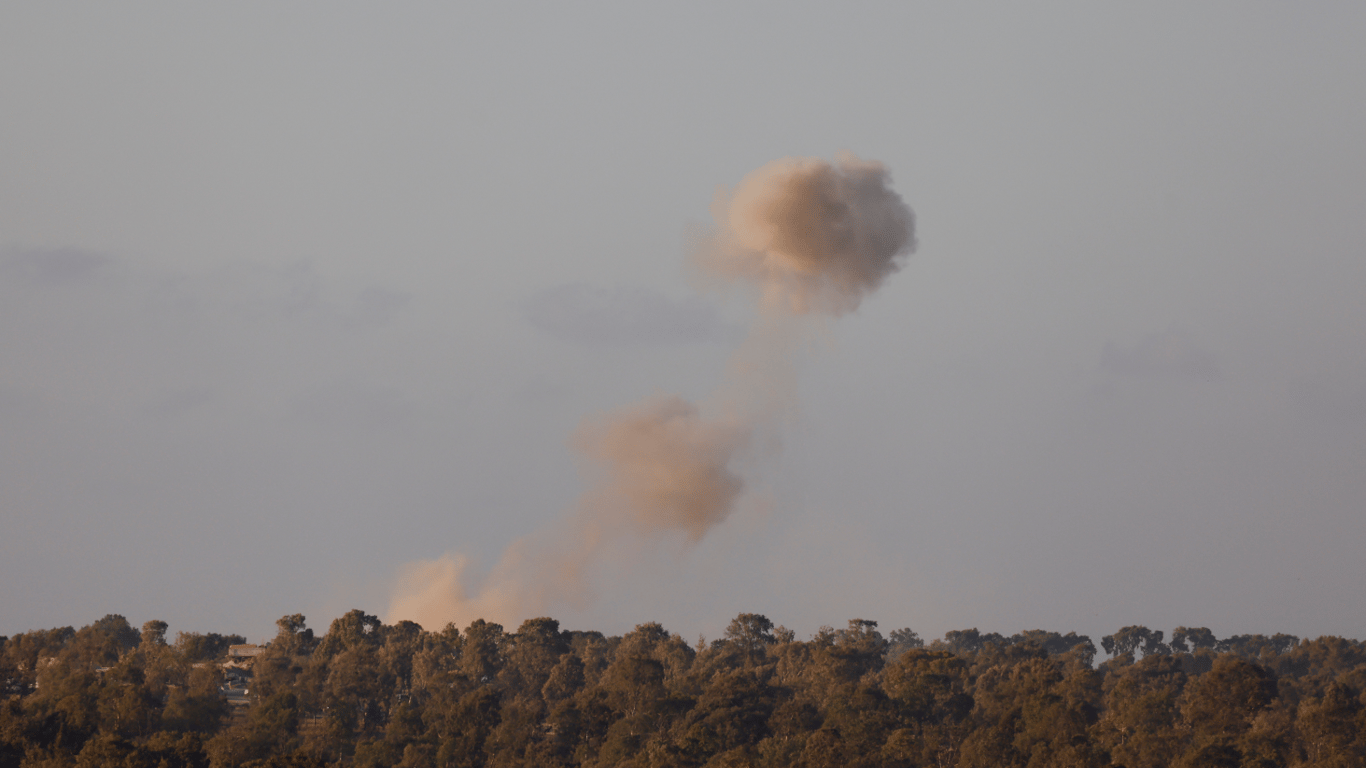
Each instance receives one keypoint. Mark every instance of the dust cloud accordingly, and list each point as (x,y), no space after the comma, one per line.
(815,238)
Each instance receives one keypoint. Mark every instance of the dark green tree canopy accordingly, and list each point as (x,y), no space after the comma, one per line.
(370,694)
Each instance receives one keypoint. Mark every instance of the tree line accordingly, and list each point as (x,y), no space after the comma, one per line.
(370,694)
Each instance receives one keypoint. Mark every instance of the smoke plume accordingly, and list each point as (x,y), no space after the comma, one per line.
(815,238)
(666,468)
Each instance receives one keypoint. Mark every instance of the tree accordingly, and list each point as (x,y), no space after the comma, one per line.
(279,667)
(929,687)
(1141,722)
(752,633)
(1131,639)
(930,693)
(732,711)
(1198,638)
(293,638)
(436,661)
(273,722)
(117,628)
(1258,646)
(153,634)
(1029,713)
(357,689)
(634,684)
(126,706)
(397,695)
(102,643)
(353,629)
(1219,707)
(467,727)
(109,750)
(196,647)
(482,655)
(966,641)
(1078,647)
(826,749)
(1224,700)
(534,651)
(1331,727)
(857,650)
(901,640)
(565,679)
(197,706)
(402,641)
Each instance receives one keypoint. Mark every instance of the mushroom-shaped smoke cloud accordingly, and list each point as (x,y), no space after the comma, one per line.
(816,237)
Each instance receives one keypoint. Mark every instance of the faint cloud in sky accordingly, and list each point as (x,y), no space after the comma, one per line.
(1171,353)
(236,292)
(51,267)
(586,314)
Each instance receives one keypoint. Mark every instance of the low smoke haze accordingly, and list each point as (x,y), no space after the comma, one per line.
(312,308)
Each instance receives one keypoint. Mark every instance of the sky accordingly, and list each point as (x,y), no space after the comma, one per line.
(294,296)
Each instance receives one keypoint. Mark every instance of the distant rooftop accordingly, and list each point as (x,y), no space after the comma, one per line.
(239,651)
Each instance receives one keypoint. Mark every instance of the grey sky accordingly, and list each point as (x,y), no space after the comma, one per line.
(291,296)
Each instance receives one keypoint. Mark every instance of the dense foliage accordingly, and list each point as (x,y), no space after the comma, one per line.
(367,694)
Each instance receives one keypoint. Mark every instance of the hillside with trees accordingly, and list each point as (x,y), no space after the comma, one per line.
(369,694)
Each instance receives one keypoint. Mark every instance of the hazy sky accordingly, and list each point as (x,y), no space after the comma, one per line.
(294,295)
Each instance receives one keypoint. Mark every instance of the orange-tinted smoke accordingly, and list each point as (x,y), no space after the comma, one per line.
(816,237)
(665,467)
(661,468)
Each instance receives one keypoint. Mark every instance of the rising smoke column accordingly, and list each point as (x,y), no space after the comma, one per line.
(662,469)
(666,468)
(816,238)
